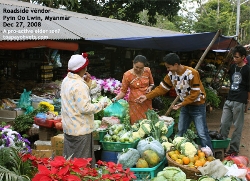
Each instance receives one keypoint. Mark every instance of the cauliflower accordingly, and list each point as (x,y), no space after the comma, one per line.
(178,141)
(167,146)
(144,121)
(164,138)
(136,135)
(162,126)
(188,149)
(164,129)
(144,129)
(135,127)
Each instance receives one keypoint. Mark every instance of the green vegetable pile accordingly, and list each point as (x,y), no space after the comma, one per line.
(170,174)
(23,123)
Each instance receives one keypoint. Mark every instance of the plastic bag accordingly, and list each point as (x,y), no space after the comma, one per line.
(41,116)
(240,161)
(208,152)
(150,143)
(116,110)
(25,101)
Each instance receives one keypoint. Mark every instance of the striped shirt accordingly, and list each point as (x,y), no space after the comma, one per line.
(187,85)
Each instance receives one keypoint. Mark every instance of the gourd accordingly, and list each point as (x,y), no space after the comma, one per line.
(128,158)
(151,144)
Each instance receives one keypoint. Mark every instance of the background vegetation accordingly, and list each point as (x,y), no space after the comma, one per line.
(187,16)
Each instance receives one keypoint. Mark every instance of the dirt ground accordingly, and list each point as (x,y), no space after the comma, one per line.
(213,122)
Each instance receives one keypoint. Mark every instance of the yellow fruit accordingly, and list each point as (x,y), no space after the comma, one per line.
(174,156)
(181,156)
(192,159)
(203,161)
(198,163)
(141,163)
(210,158)
(177,152)
(191,164)
(185,160)
(201,154)
(171,153)
(196,158)
(179,161)
(151,158)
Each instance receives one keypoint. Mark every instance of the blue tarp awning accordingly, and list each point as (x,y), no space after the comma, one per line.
(174,42)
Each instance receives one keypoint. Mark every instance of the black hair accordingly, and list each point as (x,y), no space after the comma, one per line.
(172,58)
(142,59)
(239,49)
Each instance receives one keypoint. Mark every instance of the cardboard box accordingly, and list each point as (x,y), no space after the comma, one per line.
(42,145)
(57,144)
(42,153)
(9,116)
(45,134)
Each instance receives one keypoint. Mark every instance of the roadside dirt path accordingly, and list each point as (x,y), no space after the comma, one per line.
(213,122)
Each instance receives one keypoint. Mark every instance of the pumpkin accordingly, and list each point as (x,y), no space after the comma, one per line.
(141,163)
(151,157)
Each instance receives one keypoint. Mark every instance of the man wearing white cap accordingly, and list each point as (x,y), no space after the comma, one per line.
(77,110)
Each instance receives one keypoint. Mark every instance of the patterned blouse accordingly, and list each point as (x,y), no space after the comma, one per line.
(77,110)
(138,87)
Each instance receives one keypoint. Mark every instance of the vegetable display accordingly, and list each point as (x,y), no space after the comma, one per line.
(128,158)
(170,174)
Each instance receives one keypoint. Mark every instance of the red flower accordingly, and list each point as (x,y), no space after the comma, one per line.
(77,169)
(45,174)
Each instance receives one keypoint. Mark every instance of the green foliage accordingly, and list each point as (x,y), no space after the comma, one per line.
(24,122)
(122,10)
(12,168)
(212,97)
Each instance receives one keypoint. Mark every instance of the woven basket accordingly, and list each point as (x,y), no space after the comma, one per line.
(191,173)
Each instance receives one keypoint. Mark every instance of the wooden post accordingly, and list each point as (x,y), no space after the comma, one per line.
(197,66)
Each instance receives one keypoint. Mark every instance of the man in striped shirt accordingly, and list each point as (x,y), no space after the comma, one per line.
(189,87)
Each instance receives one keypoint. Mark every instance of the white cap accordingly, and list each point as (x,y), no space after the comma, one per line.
(78,62)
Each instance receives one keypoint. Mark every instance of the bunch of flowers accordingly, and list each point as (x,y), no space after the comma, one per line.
(110,87)
(78,169)
(49,106)
(10,138)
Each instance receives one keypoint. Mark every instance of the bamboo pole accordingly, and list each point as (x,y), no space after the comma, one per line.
(196,67)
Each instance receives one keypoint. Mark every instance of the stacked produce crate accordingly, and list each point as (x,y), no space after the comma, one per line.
(46,73)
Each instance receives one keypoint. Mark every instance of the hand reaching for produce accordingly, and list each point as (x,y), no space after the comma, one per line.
(141,99)
(105,104)
(114,99)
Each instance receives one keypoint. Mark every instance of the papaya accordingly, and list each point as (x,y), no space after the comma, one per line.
(151,157)
(141,163)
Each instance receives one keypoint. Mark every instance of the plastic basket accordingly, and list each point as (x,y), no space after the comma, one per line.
(48,123)
(170,130)
(216,144)
(118,146)
(148,173)
(98,135)
(45,123)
